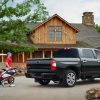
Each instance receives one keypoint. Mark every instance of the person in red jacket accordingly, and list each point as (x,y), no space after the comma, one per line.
(9,63)
(9,60)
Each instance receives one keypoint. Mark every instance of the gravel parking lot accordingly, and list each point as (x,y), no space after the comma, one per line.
(27,89)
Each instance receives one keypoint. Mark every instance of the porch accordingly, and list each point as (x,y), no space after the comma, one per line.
(19,59)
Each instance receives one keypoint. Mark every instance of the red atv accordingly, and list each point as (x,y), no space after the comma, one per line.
(7,76)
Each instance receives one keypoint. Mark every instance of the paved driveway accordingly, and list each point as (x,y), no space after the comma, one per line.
(27,89)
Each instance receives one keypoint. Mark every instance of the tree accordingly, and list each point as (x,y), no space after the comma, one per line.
(14,16)
(97,27)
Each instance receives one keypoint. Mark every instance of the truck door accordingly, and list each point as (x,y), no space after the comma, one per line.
(97,52)
(90,65)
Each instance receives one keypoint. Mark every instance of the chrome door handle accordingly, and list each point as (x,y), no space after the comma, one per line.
(84,61)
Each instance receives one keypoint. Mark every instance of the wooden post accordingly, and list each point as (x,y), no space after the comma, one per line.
(51,53)
(2,57)
(43,54)
(30,54)
(18,57)
(23,57)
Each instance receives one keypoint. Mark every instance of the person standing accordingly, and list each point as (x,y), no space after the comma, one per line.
(9,60)
(9,63)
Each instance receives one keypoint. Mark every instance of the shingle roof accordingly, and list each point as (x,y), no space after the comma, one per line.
(32,25)
(87,35)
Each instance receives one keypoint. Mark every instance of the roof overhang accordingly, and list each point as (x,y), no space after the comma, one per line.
(55,15)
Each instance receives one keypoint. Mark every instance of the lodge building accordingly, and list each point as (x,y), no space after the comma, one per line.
(56,33)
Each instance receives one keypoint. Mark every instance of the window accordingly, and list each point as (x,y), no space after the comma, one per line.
(58,36)
(97,53)
(55,33)
(66,53)
(87,53)
(51,28)
(58,28)
(51,36)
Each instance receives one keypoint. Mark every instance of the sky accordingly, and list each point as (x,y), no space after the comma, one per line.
(72,10)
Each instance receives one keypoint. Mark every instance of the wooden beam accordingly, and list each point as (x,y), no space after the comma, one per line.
(51,53)
(30,54)
(43,54)
(23,57)
(18,57)
(2,57)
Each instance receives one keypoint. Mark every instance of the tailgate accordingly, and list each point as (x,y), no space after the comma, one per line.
(38,65)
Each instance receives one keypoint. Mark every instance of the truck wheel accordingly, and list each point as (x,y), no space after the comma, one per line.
(69,78)
(43,81)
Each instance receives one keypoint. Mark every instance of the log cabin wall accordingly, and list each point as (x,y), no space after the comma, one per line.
(41,34)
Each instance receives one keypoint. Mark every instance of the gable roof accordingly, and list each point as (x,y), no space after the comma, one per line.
(37,25)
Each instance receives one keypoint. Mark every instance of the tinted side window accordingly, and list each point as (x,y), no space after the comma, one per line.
(66,53)
(87,53)
(97,53)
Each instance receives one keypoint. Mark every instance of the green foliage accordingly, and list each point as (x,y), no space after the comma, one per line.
(14,17)
(13,47)
(97,27)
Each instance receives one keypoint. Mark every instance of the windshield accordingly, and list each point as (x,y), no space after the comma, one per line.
(66,53)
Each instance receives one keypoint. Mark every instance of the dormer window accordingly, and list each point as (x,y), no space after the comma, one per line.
(55,33)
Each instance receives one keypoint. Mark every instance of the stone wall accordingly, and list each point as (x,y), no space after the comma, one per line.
(21,67)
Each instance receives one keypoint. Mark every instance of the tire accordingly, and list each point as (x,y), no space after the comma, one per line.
(11,80)
(43,81)
(69,78)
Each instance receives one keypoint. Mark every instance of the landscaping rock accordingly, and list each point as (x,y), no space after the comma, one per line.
(93,94)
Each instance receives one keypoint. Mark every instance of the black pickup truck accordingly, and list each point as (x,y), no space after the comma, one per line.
(66,66)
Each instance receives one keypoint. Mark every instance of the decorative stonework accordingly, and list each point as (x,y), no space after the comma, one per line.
(21,67)
(93,94)
(88,18)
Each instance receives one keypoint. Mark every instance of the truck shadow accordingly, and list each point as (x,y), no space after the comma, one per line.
(87,82)
(79,83)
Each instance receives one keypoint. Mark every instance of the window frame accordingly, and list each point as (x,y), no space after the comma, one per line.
(55,33)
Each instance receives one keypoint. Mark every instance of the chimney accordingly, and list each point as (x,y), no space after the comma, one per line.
(88,18)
